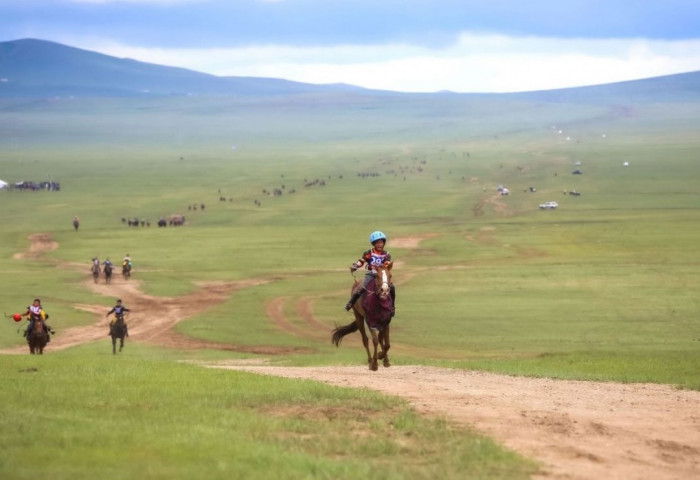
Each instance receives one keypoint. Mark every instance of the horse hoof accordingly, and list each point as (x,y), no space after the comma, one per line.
(374,367)
(380,356)
(386,363)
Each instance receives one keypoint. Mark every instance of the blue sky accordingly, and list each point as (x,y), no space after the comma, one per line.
(458,45)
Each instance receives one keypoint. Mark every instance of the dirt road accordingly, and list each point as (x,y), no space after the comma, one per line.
(577,430)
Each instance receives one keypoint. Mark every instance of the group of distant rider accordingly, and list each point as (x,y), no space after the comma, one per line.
(36,313)
(126,262)
(370,259)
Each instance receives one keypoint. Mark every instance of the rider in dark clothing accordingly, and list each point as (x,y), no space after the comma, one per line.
(118,311)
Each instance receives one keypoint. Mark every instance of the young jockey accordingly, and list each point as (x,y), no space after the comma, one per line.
(371,258)
(35,312)
(118,311)
(127,262)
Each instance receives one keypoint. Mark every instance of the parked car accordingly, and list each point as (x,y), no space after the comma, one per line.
(548,205)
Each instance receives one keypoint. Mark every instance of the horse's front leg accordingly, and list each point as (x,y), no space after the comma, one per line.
(375,340)
(121,343)
(114,345)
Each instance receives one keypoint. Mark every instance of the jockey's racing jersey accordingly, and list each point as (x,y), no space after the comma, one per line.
(36,312)
(118,310)
(372,258)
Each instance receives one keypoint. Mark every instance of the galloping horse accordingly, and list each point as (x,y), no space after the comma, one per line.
(76,223)
(37,338)
(108,273)
(118,331)
(95,269)
(126,270)
(375,308)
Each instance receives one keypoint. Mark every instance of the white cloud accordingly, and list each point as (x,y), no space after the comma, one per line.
(476,63)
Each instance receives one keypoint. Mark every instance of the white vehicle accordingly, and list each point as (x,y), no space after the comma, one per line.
(549,205)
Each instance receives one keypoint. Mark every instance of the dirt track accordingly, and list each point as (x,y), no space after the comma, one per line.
(577,430)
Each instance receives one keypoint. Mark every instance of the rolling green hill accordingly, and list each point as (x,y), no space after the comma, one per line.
(40,68)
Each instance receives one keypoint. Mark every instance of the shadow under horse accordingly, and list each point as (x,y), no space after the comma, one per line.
(118,331)
(375,308)
(37,337)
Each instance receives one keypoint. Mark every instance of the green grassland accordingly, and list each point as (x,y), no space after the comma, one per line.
(605,287)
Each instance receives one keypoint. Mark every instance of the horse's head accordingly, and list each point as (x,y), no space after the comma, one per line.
(38,324)
(383,280)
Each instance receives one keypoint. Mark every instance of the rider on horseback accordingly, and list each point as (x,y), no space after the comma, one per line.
(372,258)
(127,264)
(118,311)
(35,312)
(107,263)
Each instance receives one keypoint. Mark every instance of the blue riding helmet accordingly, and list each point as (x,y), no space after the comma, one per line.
(377,236)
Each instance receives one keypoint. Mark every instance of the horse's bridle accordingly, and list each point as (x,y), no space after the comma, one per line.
(384,289)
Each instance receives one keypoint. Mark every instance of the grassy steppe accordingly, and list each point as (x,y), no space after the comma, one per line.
(146,416)
(602,288)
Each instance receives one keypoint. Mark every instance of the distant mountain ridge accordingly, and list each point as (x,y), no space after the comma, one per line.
(42,68)
(39,68)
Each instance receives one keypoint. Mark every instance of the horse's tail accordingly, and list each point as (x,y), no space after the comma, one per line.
(340,332)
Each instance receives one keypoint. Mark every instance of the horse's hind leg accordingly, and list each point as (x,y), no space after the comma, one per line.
(114,346)
(360,321)
(121,344)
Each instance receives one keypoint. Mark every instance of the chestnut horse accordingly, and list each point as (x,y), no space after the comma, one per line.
(37,338)
(375,307)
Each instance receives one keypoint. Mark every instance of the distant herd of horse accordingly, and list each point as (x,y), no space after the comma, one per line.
(172,220)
